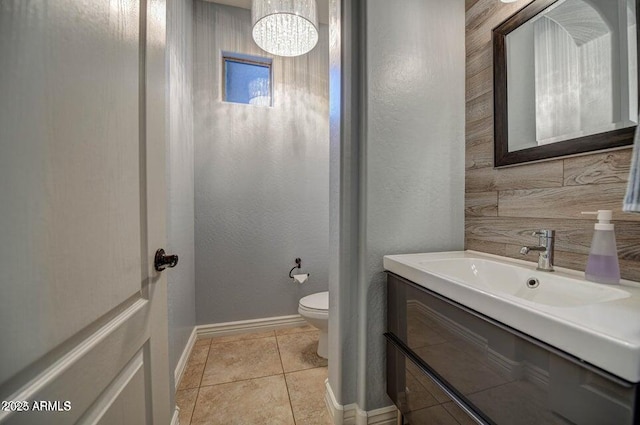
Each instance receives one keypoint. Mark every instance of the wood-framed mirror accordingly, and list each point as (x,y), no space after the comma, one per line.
(565,76)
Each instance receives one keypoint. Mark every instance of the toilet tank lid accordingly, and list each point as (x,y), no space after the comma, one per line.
(318,301)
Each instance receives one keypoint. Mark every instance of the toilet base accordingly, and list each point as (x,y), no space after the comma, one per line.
(314,309)
(323,345)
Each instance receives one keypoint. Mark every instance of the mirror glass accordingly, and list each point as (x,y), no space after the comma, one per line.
(571,72)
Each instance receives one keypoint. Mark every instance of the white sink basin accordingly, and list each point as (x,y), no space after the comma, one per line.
(514,280)
(599,324)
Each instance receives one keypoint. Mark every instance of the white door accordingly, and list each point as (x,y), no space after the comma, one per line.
(83,320)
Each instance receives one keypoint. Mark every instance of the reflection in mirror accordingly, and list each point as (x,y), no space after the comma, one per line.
(571,72)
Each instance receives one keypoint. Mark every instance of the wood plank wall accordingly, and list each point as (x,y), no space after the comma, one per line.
(504,206)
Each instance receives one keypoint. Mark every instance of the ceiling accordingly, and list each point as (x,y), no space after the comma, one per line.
(323,7)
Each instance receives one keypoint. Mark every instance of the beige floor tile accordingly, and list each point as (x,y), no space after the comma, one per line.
(191,376)
(199,354)
(251,402)
(306,391)
(239,360)
(322,419)
(299,351)
(242,337)
(186,400)
(202,341)
(297,329)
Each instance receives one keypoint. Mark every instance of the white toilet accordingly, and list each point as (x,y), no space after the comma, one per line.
(315,310)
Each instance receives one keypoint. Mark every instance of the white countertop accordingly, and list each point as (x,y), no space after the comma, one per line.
(605,334)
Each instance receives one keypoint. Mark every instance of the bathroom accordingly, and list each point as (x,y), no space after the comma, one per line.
(379,141)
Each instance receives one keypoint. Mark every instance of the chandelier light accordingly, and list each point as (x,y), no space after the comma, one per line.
(285,27)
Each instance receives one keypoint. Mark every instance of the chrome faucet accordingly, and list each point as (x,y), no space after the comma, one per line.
(545,247)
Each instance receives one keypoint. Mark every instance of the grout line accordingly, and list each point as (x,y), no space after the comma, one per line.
(255,377)
(240,380)
(286,384)
(193,409)
(204,368)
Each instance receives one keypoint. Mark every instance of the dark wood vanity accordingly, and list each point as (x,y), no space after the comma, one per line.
(449,364)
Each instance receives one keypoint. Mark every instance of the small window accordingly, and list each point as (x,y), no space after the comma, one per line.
(247,79)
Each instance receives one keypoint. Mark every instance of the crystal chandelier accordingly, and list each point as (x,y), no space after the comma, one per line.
(285,27)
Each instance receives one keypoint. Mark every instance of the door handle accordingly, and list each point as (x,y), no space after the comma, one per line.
(163,261)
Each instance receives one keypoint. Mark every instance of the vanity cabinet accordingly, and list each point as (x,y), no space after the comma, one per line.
(449,364)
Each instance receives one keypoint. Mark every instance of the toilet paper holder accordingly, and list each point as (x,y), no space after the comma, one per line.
(297,266)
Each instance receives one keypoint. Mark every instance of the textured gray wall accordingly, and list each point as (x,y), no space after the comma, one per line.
(413,169)
(261,177)
(345,81)
(180,184)
(412,175)
(397,166)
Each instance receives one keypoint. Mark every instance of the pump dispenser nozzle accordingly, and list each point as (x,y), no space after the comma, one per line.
(604,216)
(604,219)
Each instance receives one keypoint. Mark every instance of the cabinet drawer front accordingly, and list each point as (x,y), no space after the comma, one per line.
(420,397)
(508,377)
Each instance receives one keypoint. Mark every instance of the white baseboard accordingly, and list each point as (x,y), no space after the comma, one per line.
(182,361)
(247,326)
(340,415)
(175,420)
(383,416)
(351,414)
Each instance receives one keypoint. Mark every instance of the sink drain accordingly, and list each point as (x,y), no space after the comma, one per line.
(532,282)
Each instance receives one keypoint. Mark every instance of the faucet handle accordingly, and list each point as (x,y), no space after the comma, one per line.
(544,233)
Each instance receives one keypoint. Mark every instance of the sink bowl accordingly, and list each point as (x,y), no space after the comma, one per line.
(520,282)
(598,324)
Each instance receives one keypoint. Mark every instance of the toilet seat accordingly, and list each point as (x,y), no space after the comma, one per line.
(318,302)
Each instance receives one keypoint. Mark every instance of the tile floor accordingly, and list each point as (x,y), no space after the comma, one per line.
(272,377)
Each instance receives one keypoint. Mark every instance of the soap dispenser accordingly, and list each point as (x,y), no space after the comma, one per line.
(602,265)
